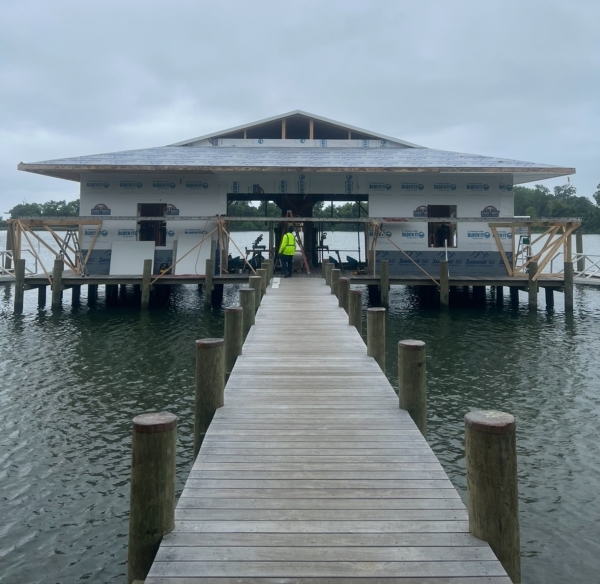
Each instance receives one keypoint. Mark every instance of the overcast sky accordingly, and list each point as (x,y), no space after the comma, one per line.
(511,78)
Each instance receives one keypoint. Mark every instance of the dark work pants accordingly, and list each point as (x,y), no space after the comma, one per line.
(286,264)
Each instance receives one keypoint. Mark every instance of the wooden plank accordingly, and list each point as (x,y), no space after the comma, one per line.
(312,474)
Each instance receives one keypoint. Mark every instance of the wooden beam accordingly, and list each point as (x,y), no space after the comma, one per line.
(283,129)
(501,250)
(311,129)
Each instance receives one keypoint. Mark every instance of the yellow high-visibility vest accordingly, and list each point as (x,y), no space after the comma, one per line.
(288,244)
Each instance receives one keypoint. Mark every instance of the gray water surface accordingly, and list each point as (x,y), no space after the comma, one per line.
(71,383)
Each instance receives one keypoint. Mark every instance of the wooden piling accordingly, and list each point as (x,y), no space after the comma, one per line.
(255,282)
(579,250)
(75,294)
(41,296)
(92,292)
(57,273)
(19,286)
(499,295)
(355,310)
(514,295)
(152,491)
(412,381)
(208,281)
(210,383)
(335,278)
(491,459)
(268,265)
(376,335)
(234,336)
(568,286)
(247,302)
(549,297)
(532,286)
(328,268)
(146,277)
(444,284)
(324,267)
(343,292)
(384,282)
(262,272)
(112,293)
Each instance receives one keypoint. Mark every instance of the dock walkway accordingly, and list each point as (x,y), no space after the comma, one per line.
(311,473)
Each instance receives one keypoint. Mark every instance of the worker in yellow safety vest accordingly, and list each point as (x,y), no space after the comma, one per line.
(286,252)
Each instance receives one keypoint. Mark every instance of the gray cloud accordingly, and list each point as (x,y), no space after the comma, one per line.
(516,79)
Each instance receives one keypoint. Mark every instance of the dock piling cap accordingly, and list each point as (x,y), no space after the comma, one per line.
(490,422)
(410,345)
(154,423)
(210,343)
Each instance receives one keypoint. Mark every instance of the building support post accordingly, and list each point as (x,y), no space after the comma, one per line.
(549,297)
(19,286)
(384,282)
(42,296)
(57,273)
(152,491)
(514,295)
(579,250)
(92,293)
(499,295)
(532,287)
(210,383)
(491,458)
(376,335)
(355,310)
(234,337)
(208,281)
(444,285)
(75,294)
(145,301)
(568,286)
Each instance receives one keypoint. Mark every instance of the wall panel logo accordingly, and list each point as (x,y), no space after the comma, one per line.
(477,186)
(412,186)
(443,186)
(97,184)
(196,184)
(490,211)
(421,211)
(172,209)
(163,184)
(100,209)
(505,187)
(379,186)
(130,184)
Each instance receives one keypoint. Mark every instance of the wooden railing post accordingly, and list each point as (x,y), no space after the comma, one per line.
(234,337)
(247,302)
(210,383)
(412,387)
(152,494)
(491,459)
(376,335)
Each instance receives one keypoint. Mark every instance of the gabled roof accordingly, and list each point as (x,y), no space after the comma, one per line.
(296,114)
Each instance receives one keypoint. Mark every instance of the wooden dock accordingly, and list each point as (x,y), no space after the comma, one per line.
(312,473)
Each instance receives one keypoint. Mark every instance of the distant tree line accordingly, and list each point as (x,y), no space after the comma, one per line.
(563,201)
(49,209)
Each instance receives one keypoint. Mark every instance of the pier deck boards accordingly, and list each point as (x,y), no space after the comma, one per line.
(311,473)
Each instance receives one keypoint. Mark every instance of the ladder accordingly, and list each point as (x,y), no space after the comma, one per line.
(289,215)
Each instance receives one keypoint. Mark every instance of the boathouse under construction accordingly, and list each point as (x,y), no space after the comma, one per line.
(426,207)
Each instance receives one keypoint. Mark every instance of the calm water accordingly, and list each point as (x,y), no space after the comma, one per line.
(71,382)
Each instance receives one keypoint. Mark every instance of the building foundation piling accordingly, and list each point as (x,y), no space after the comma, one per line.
(568,274)
(579,250)
(384,282)
(532,287)
(75,294)
(57,274)
(146,277)
(41,296)
(549,297)
(208,281)
(19,286)
(444,285)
